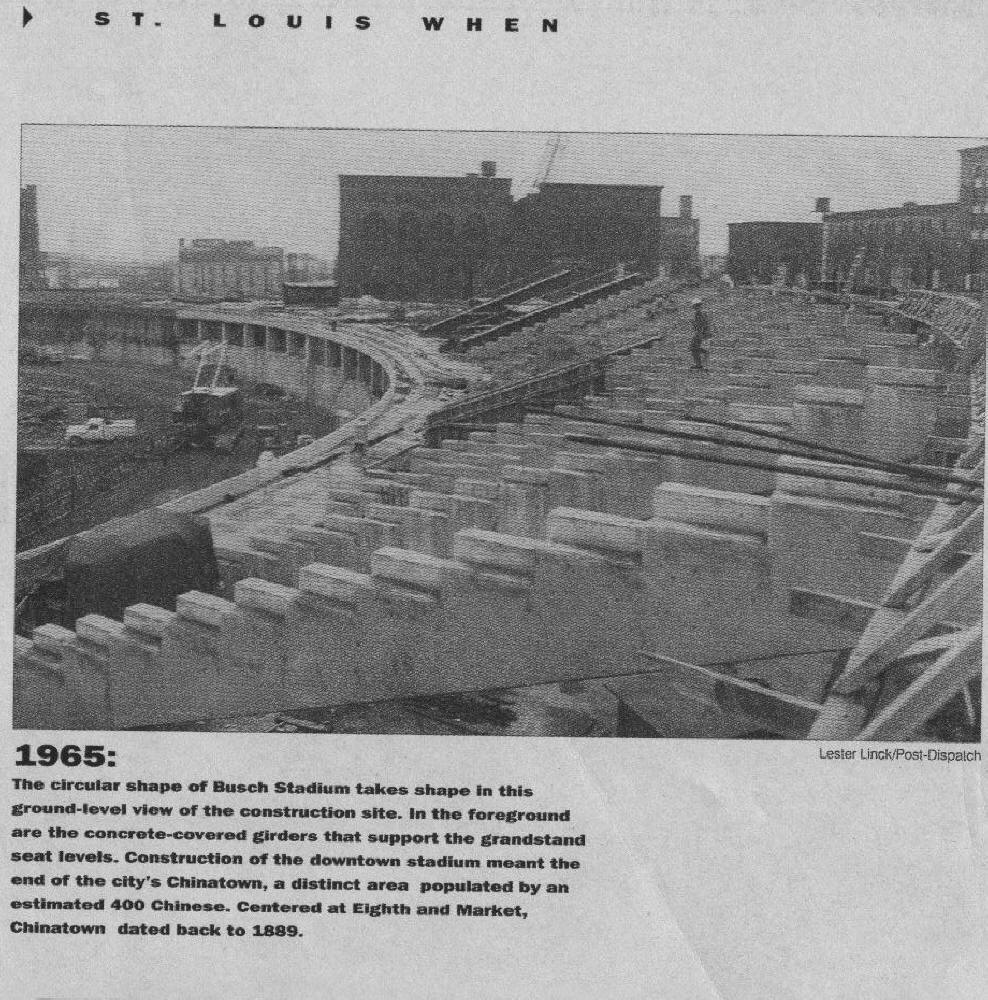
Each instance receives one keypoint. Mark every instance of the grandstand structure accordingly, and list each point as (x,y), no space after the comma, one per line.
(787,546)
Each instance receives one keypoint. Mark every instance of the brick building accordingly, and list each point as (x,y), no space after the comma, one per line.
(419,238)
(912,246)
(32,260)
(435,238)
(679,244)
(229,269)
(768,253)
(597,224)
(974,206)
(306,267)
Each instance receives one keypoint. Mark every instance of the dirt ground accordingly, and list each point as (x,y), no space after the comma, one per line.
(52,396)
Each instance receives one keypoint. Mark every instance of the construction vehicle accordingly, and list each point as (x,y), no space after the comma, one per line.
(210,414)
(98,430)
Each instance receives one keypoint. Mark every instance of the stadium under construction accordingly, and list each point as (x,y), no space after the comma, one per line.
(542,520)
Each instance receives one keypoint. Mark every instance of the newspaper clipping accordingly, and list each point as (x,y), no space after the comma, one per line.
(495,501)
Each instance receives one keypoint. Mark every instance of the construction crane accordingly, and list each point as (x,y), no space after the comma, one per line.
(544,165)
(852,275)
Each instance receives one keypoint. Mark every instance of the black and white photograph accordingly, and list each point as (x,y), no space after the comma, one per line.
(385,380)
(545,434)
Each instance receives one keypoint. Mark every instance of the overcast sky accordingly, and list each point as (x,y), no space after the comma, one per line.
(133,192)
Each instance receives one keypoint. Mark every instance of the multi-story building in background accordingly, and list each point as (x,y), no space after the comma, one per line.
(419,238)
(436,238)
(942,246)
(766,253)
(32,260)
(599,225)
(74,271)
(974,206)
(912,246)
(679,243)
(228,269)
(306,267)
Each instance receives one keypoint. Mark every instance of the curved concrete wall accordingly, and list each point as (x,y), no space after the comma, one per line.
(334,369)
(331,367)
(323,366)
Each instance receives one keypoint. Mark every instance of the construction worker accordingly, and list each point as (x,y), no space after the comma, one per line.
(358,453)
(701,334)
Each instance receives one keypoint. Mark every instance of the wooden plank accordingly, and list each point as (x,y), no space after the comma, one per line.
(933,645)
(739,682)
(782,713)
(921,566)
(930,691)
(841,717)
(871,657)
(836,610)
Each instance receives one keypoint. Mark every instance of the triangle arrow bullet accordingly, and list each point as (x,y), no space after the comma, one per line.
(28,16)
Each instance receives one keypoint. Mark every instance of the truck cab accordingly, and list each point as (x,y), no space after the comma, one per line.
(99,429)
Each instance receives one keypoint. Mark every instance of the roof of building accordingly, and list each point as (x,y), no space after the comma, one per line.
(599,185)
(430,178)
(774,224)
(909,208)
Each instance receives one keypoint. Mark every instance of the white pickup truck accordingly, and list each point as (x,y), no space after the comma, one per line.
(99,429)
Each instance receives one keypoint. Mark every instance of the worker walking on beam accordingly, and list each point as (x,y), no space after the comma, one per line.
(701,335)
(358,451)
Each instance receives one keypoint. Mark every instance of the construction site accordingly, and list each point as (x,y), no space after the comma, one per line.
(538,508)
(100,438)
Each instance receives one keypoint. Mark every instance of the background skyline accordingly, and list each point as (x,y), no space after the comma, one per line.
(131,192)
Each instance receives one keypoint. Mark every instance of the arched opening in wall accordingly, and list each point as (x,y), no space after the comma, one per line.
(494,274)
(430,282)
(454,283)
(374,229)
(898,277)
(474,244)
(412,283)
(979,258)
(442,230)
(408,232)
(474,232)
(920,274)
(377,283)
(647,245)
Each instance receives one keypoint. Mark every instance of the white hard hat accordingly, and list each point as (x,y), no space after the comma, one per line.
(696,302)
